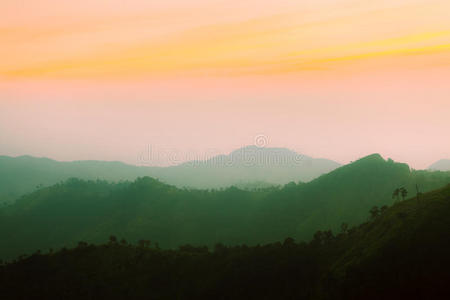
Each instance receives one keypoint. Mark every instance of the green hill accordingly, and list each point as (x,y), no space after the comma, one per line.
(24,174)
(243,167)
(404,250)
(400,253)
(65,213)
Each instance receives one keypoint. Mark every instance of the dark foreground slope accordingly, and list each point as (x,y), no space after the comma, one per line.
(76,210)
(401,253)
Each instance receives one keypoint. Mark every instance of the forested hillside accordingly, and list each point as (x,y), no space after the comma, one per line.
(401,252)
(25,174)
(63,214)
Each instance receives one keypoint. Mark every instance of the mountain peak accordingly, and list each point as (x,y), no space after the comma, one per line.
(441,165)
(265,152)
(372,157)
(264,149)
(373,162)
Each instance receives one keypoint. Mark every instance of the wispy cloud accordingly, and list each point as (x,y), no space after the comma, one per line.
(181,42)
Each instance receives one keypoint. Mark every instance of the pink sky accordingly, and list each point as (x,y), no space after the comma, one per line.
(334,79)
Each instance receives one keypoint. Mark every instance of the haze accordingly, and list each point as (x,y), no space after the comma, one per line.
(335,79)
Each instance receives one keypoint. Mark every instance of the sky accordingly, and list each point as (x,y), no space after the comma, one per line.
(110,79)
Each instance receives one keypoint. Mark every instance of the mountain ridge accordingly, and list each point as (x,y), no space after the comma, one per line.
(440,165)
(173,216)
(242,166)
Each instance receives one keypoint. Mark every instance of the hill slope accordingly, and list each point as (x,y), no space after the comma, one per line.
(400,253)
(242,167)
(92,210)
(24,174)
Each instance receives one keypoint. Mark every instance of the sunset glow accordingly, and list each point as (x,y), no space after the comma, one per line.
(345,70)
(61,40)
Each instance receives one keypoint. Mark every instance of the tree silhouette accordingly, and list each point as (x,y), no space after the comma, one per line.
(418,193)
(327,236)
(403,192)
(317,238)
(400,192)
(144,243)
(288,242)
(396,194)
(112,239)
(374,212)
(82,244)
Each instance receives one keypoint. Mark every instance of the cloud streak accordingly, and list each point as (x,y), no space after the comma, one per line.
(179,43)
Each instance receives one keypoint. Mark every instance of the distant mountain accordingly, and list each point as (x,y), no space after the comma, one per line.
(24,174)
(242,167)
(77,210)
(400,252)
(441,165)
(247,165)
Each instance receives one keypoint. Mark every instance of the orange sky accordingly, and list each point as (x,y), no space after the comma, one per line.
(330,78)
